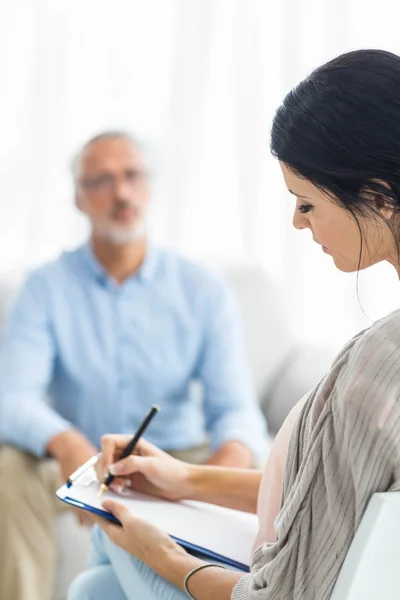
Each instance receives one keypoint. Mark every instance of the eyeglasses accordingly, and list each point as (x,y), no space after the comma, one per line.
(106,181)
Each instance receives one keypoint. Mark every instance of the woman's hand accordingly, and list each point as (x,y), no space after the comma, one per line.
(138,537)
(155,548)
(148,469)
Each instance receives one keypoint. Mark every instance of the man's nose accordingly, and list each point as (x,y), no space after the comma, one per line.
(122,189)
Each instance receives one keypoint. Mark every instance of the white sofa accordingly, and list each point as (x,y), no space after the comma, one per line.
(283,369)
(371,569)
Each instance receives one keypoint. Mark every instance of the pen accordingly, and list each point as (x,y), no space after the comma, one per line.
(128,450)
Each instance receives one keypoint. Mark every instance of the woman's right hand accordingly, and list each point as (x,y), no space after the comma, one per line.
(148,469)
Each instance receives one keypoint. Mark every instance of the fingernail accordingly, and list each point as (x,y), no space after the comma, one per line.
(119,489)
(106,473)
(115,468)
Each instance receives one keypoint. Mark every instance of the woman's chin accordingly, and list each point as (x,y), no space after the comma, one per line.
(348,267)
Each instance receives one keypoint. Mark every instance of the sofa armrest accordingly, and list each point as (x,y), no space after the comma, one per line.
(299,372)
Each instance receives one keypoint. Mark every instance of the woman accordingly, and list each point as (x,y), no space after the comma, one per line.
(337,138)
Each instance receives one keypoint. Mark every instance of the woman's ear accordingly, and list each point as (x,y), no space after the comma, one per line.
(375,192)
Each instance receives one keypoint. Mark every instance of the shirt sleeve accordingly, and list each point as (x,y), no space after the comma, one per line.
(26,367)
(231,408)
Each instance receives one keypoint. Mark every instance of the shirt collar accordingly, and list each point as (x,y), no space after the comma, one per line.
(148,268)
(145,273)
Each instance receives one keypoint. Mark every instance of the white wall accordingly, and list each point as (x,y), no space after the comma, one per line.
(200,80)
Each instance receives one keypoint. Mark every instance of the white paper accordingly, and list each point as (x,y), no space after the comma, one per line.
(227,532)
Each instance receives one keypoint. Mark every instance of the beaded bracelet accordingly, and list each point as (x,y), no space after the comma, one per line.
(193,571)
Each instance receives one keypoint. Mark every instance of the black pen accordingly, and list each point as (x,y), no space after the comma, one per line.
(129,449)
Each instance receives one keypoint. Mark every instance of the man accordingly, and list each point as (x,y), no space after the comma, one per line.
(105,331)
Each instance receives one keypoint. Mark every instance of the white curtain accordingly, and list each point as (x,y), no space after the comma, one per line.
(199,80)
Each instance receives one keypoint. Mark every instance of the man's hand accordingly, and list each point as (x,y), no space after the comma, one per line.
(72,449)
(232,454)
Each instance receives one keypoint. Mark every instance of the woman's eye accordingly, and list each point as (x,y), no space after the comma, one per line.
(305,208)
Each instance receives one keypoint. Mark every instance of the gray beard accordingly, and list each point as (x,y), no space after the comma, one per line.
(120,237)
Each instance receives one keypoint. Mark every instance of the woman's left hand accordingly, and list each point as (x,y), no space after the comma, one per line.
(138,537)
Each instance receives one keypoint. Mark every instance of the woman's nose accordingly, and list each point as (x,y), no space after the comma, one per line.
(300,221)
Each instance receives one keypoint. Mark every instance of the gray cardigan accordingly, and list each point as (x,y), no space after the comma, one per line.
(345,446)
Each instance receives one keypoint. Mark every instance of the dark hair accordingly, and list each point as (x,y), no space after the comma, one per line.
(340,129)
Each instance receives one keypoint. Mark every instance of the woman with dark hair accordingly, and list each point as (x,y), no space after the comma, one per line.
(337,139)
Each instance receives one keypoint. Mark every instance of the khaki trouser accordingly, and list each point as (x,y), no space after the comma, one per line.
(28,506)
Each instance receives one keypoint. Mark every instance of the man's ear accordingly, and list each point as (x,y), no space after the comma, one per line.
(375,192)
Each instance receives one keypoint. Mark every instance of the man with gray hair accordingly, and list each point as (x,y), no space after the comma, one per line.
(103,332)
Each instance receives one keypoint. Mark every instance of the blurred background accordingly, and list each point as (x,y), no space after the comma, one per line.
(198,81)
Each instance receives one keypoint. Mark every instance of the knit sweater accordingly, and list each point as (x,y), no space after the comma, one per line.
(345,446)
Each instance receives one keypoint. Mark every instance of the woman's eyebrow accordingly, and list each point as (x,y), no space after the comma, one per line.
(298,195)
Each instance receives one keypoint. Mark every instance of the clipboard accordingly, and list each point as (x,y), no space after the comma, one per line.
(215,533)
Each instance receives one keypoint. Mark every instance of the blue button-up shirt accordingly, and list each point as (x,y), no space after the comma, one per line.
(82,350)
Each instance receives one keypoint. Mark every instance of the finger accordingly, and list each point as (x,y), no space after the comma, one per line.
(79,518)
(145,448)
(119,511)
(86,521)
(106,525)
(99,468)
(111,448)
(102,474)
(131,464)
(97,519)
(121,485)
(83,517)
